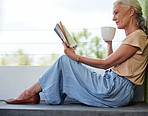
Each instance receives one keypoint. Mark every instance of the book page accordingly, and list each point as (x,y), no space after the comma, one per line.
(62,29)
(71,40)
(64,35)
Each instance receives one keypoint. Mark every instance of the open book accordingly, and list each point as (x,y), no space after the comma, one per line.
(64,35)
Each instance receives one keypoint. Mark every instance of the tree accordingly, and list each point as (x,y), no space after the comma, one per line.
(81,38)
(19,58)
(96,48)
(88,46)
(48,60)
(23,59)
(5,60)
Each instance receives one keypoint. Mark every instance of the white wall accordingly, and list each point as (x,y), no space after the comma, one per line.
(14,79)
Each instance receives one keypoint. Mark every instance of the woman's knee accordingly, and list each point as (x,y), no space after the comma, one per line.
(64,57)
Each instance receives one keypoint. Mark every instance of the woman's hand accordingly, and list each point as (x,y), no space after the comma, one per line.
(109,48)
(70,51)
(109,42)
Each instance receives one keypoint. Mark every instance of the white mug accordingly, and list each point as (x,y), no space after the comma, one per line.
(108,33)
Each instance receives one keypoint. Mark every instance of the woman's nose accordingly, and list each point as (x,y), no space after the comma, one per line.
(114,18)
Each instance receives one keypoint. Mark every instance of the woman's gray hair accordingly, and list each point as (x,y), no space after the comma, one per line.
(141,23)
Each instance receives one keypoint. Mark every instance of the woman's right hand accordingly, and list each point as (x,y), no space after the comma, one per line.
(109,48)
(108,42)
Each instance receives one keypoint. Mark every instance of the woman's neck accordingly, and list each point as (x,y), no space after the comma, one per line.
(132,26)
(128,32)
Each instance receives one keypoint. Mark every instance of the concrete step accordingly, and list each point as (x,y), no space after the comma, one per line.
(71,109)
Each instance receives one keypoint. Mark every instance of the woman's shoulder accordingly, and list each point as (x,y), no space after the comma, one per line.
(137,35)
(138,39)
(140,33)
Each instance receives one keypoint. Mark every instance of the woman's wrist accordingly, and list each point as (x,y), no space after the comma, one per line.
(109,48)
(109,43)
(78,59)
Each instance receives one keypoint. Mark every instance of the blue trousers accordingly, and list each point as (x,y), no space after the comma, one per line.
(69,78)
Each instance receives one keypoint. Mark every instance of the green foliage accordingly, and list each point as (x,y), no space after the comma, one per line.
(43,61)
(95,48)
(53,58)
(19,58)
(146,7)
(81,38)
(22,58)
(5,60)
(87,46)
(143,5)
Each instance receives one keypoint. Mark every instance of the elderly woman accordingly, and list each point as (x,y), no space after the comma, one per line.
(69,77)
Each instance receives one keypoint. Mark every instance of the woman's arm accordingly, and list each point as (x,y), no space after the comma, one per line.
(123,53)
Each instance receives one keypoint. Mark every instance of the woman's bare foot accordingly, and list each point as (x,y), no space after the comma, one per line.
(30,95)
(36,88)
(26,94)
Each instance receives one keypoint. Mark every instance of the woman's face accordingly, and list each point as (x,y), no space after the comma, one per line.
(121,16)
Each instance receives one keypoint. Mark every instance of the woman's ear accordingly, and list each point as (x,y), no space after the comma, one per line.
(132,12)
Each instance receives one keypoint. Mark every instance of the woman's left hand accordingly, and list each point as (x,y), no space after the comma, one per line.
(69,51)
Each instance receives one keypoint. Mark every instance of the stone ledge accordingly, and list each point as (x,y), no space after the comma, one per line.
(71,109)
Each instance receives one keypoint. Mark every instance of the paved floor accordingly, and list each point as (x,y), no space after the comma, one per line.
(71,109)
